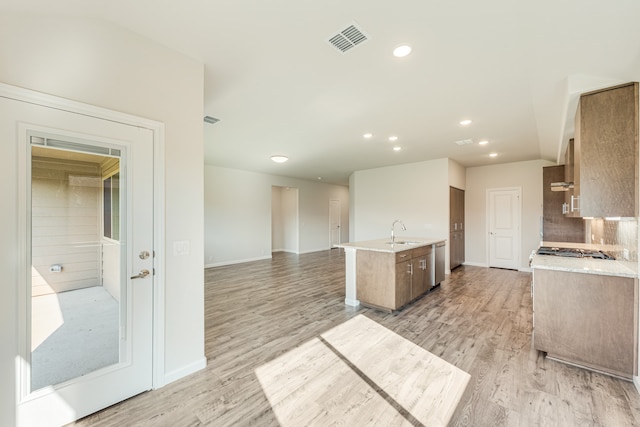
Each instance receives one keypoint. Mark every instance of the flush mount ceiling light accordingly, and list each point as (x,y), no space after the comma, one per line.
(493,155)
(465,142)
(465,122)
(397,148)
(367,136)
(393,138)
(279,158)
(483,142)
(402,51)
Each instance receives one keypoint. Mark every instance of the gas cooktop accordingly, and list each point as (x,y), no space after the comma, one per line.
(573,252)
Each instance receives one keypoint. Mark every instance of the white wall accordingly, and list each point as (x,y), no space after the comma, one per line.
(100,64)
(527,175)
(457,175)
(416,193)
(238,214)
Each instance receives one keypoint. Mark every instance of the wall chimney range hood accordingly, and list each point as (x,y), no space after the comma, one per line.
(561,186)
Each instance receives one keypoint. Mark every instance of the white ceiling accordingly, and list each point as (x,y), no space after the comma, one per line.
(278,87)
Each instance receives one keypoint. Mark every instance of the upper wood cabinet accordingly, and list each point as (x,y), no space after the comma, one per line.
(606,152)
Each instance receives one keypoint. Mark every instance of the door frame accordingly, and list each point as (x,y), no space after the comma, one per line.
(488,224)
(332,203)
(157,129)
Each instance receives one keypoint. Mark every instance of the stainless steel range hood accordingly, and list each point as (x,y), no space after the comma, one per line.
(561,186)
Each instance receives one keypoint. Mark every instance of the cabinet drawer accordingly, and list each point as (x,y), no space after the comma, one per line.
(403,256)
(422,250)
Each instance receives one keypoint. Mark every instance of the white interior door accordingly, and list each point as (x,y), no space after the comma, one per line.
(334,220)
(504,227)
(100,174)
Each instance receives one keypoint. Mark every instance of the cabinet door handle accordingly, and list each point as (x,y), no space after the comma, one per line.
(565,208)
(411,269)
(576,206)
(423,264)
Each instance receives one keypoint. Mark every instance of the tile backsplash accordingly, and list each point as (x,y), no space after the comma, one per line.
(616,235)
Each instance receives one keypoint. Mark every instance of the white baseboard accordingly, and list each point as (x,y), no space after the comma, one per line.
(636,382)
(352,302)
(237,261)
(185,370)
(308,251)
(475,264)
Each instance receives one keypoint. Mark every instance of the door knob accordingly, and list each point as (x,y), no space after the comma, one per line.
(143,273)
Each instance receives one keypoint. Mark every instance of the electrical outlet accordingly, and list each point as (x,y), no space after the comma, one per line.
(625,254)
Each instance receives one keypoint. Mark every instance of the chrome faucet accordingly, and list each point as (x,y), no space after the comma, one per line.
(393,236)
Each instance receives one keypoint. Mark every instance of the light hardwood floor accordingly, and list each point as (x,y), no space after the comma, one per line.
(479,320)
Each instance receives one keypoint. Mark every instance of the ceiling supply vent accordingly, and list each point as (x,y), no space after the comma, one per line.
(211,120)
(465,142)
(348,38)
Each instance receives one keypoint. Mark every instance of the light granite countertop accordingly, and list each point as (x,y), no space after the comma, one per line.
(583,265)
(384,245)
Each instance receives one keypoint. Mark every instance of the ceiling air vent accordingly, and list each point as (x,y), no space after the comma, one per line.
(348,38)
(465,142)
(211,120)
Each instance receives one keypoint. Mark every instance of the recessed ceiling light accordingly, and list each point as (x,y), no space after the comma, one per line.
(493,155)
(320,178)
(401,51)
(393,138)
(483,142)
(397,148)
(367,135)
(279,158)
(465,122)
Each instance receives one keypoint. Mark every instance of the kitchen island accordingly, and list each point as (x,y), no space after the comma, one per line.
(388,274)
(585,311)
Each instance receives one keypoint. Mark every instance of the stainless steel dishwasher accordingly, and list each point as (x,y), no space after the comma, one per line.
(438,264)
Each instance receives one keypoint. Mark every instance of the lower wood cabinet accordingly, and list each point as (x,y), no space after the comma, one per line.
(588,320)
(391,280)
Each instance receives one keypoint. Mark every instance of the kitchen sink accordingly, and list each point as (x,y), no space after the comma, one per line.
(402,242)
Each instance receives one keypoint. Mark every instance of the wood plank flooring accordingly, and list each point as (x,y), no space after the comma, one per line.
(479,320)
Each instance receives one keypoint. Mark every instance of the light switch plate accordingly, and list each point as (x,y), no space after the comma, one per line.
(181,248)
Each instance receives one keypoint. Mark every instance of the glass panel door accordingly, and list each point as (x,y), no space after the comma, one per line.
(76,260)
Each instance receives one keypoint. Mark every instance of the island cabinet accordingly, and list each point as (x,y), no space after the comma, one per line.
(606,153)
(389,281)
(589,320)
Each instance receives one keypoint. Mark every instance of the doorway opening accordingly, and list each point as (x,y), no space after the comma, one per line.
(284,219)
(334,223)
